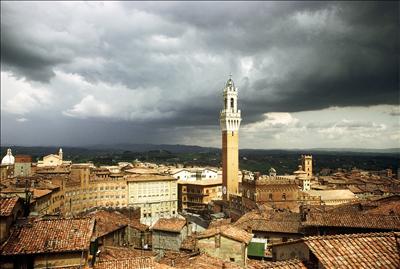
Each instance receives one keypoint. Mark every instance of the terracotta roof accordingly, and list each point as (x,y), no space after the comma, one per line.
(118,253)
(270,221)
(131,263)
(229,231)
(374,250)
(219,222)
(148,177)
(38,193)
(202,261)
(355,189)
(170,225)
(53,235)
(353,219)
(391,207)
(289,264)
(107,222)
(7,205)
(333,194)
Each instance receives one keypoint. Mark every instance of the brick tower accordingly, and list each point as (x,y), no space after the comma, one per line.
(230,121)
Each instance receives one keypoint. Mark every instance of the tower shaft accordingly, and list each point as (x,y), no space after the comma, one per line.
(230,163)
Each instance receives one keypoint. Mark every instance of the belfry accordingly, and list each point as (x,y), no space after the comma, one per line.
(230,122)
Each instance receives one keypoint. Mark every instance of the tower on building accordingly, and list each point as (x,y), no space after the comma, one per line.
(230,122)
(60,153)
(306,163)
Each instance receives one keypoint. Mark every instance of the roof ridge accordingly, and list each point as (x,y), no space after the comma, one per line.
(339,236)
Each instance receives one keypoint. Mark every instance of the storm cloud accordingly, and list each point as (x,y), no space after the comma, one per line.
(159,67)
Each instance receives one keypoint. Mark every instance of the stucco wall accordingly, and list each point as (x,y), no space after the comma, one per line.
(228,250)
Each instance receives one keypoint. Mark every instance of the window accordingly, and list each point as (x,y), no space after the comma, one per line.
(270,196)
(232,259)
(232,103)
(284,196)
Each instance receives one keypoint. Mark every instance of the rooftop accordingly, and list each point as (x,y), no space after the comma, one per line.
(353,220)
(289,264)
(148,177)
(333,194)
(229,231)
(107,222)
(117,253)
(270,221)
(374,250)
(202,261)
(53,235)
(170,225)
(131,263)
(205,182)
(7,205)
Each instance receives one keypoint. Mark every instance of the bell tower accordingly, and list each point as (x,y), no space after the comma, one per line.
(230,121)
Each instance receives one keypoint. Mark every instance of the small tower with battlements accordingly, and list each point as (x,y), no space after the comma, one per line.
(230,122)
(306,163)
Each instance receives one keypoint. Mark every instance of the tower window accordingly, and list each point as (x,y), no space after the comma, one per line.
(284,196)
(232,103)
(226,103)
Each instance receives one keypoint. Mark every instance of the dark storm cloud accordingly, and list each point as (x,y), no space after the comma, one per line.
(171,59)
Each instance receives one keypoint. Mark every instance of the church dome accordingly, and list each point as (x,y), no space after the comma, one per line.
(8,159)
(300,171)
(272,170)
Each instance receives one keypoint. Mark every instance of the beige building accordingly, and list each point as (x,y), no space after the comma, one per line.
(90,187)
(195,195)
(226,242)
(230,121)
(53,160)
(156,195)
(22,165)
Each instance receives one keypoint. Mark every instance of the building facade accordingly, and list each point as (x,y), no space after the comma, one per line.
(195,195)
(230,119)
(22,165)
(156,195)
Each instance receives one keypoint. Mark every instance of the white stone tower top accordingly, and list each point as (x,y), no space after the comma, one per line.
(8,159)
(230,116)
(60,153)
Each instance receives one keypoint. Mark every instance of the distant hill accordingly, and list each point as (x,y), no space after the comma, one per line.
(151,147)
(285,161)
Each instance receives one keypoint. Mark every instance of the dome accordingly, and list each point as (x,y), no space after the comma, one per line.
(300,171)
(272,170)
(8,159)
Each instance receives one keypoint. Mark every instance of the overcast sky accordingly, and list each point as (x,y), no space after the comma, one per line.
(310,74)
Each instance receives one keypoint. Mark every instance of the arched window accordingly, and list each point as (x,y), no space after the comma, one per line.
(226,103)
(284,196)
(232,103)
(270,197)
